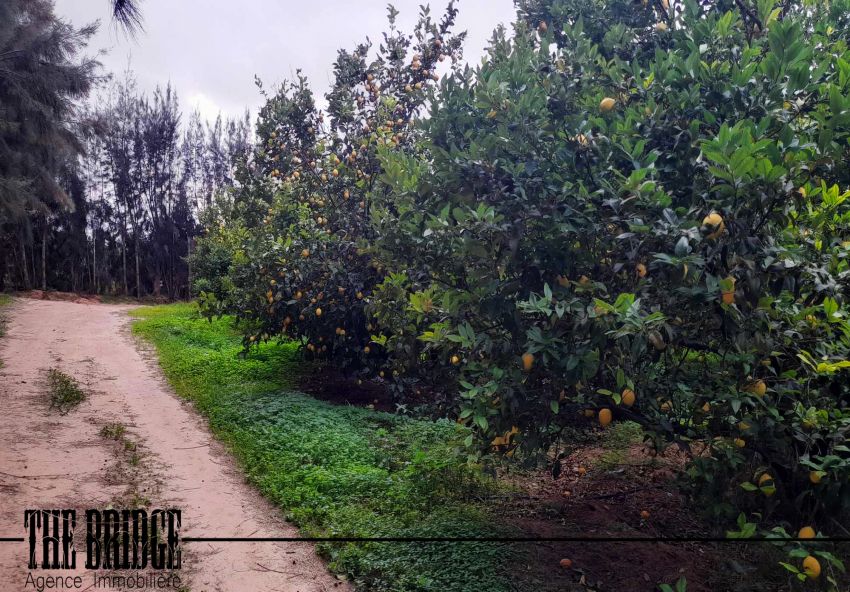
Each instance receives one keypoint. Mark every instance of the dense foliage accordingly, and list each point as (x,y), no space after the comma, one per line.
(660,213)
(629,210)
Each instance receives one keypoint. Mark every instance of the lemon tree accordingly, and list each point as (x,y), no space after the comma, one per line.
(289,251)
(615,220)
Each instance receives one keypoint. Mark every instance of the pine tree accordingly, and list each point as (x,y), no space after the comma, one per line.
(41,74)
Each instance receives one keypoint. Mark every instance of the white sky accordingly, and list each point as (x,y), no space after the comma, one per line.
(210,50)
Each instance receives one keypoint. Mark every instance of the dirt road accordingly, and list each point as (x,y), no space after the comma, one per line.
(131,442)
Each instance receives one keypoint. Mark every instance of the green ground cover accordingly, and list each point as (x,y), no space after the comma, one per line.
(336,470)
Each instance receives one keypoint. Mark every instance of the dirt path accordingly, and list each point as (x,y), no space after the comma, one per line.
(165,454)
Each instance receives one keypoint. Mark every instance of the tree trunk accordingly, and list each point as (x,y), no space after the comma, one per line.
(44,256)
(188,266)
(2,268)
(33,274)
(94,278)
(124,258)
(138,272)
(24,263)
(172,264)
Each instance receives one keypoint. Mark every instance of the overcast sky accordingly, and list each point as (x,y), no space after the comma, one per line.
(210,50)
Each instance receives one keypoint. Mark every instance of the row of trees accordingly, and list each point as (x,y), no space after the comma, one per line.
(627,211)
(104,199)
(147,175)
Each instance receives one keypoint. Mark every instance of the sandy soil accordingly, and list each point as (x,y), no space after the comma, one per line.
(48,460)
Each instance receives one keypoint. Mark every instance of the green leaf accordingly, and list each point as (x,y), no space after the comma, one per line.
(789,567)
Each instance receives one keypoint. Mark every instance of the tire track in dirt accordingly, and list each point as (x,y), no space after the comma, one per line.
(49,460)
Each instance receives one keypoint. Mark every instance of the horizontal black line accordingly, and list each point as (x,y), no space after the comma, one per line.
(507,540)
(491,540)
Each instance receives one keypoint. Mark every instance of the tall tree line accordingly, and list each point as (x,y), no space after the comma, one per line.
(149,174)
(98,200)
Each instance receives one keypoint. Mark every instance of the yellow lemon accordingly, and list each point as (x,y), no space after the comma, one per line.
(766,480)
(758,388)
(714,225)
(811,567)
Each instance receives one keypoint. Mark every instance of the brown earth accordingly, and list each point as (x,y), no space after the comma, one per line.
(163,457)
(331,385)
(603,492)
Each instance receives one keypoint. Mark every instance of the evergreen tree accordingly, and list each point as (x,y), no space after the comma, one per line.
(41,75)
